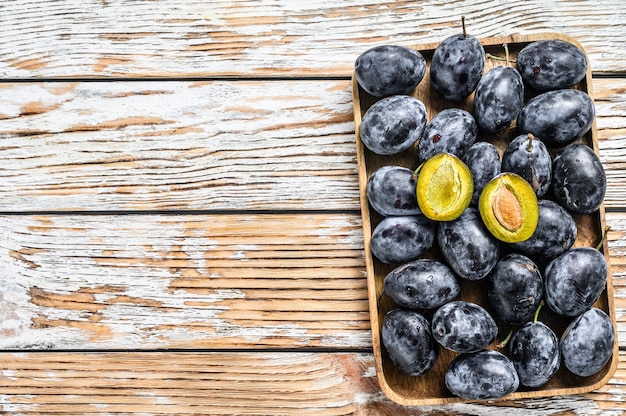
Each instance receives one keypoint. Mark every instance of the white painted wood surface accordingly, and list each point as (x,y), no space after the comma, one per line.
(102,38)
(204,145)
(191,243)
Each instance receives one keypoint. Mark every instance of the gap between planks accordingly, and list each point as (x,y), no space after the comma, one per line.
(213,78)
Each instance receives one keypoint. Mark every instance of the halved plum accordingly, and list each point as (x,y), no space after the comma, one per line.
(444,187)
(509,208)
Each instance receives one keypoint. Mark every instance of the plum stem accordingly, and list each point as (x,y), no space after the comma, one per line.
(463,24)
(499,58)
(506,340)
(506,54)
(529,148)
(604,237)
(536,316)
(379,298)
(416,172)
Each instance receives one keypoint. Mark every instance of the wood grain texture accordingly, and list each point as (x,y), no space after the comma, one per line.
(251,383)
(177,145)
(194,281)
(205,145)
(101,38)
(267,312)
(218,281)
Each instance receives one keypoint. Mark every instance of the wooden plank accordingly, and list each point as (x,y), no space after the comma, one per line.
(217,383)
(98,38)
(177,145)
(205,145)
(196,281)
(189,281)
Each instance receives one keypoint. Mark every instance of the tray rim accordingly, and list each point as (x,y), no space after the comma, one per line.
(369,261)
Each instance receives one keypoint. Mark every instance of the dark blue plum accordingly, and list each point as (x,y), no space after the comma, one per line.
(528,156)
(499,98)
(534,351)
(463,326)
(388,70)
(393,124)
(402,239)
(482,375)
(574,280)
(556,232)
(514,289)
(408,341)
(551,64)
(467,246)
(457,65)
(557,117)
(483,160)
(578,179)
(390,191)
(421,284)
(587,344)
(452,130)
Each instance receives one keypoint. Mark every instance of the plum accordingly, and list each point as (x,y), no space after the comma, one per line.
(393,124)
(402,239)
(408,340)
(483,160)
(551,64)
(528,156)
(452,130)
(457,65)
(421,284)
(387,70)
(390,191)
(481,375)
(462,326)
(578,179)
(535,353)
(499,98)
(555,233)
(557,117)
(574,280)
(514,289)
(587,343)
(467,246)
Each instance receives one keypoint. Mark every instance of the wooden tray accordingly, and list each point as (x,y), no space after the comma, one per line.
(430,389)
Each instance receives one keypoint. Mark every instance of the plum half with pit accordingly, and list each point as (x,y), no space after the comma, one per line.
(509,208)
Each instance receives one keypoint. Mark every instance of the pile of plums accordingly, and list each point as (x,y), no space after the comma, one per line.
(506,218)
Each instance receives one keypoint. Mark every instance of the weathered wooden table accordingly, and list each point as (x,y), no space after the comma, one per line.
(180,227)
